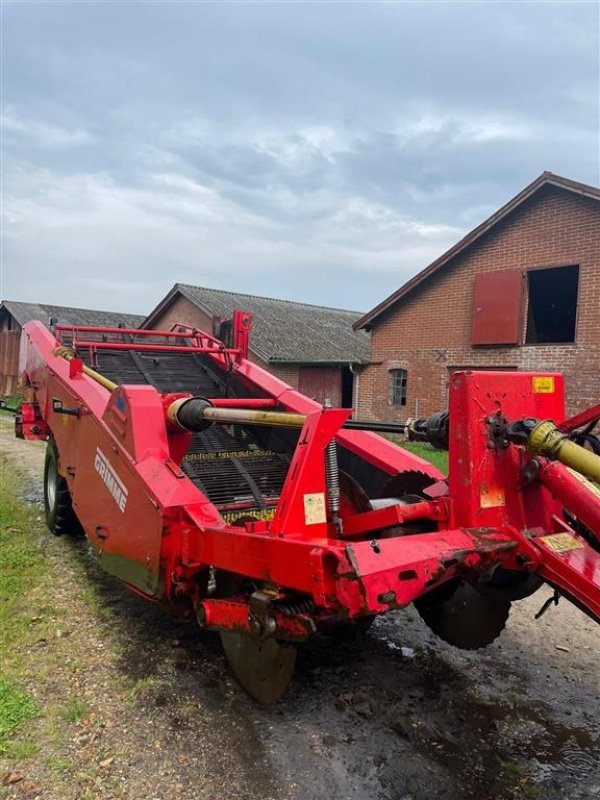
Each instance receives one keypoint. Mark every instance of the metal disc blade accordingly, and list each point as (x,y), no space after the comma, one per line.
(263,667)
(462,616)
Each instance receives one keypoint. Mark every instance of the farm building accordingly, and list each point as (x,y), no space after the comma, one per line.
(313,348)
(13,315)
(519,292)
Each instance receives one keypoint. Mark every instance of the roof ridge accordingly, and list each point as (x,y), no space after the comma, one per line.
(272,299)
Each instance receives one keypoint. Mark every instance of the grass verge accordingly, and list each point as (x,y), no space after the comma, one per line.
(439,458)
(11,402)
(20,566)
(49,660)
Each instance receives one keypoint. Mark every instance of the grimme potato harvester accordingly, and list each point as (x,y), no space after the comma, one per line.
(204,482)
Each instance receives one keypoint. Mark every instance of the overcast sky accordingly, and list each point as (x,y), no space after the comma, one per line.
(318,151)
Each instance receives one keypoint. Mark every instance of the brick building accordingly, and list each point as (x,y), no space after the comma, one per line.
(521,291)
(312,348)
(14,314)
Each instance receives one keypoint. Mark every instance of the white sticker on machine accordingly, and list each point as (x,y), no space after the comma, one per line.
(314,508)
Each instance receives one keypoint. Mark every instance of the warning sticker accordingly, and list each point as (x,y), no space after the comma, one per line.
(314,508)
(561,542)
(543,384)
(491,496)
(594,488)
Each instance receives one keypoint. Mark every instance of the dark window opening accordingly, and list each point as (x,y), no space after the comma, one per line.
(552,305)
(347,388)
(398,385)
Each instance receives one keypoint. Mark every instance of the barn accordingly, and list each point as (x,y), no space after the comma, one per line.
(14,314)
(310,347)
(519,292)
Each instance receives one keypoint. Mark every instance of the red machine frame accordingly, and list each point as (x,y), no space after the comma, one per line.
(499,506)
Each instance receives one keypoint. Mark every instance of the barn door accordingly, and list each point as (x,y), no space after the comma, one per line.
(321,383)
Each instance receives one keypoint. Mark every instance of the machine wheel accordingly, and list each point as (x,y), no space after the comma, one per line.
(462,616)
(58,507)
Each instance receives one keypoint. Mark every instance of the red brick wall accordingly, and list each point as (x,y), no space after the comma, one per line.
(184,312)
(430,330)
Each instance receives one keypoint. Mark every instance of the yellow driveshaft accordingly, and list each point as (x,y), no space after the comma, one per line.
(546,440)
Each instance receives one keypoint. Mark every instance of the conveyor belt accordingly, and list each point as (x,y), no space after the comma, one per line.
(228,465)
(241,479)
(167,372)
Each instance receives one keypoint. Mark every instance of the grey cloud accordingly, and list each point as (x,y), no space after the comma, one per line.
(323,151)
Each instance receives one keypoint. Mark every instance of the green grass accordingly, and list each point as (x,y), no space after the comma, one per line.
(12,402)
(21,564)
(76,709)
(19,561)
(16,706)
(47,690)
(439,458)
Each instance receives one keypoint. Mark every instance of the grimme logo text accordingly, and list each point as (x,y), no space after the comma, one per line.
(113,483)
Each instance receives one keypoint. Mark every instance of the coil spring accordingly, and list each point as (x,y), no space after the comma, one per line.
(299,605)
(332,473)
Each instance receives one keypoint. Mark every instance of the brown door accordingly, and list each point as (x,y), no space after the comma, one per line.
(320,383)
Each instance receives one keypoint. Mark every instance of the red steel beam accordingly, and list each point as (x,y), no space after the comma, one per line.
(131,331)
(167,348)
(579,420)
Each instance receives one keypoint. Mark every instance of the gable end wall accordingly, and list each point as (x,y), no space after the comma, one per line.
(430,330)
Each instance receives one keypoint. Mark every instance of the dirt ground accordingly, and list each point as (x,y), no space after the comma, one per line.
(398,716)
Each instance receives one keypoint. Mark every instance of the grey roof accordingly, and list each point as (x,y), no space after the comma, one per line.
(25,312)
(283,330)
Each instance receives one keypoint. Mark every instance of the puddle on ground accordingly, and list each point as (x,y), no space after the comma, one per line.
(507,748)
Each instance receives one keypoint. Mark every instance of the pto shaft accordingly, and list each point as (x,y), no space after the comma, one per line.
(196,414)
(546,440)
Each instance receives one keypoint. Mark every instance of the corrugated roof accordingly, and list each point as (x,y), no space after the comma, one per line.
(545,179)
(283,330)
(25,312)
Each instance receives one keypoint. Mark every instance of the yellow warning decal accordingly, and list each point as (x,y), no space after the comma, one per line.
(561,542)
(314,508)
(543,384)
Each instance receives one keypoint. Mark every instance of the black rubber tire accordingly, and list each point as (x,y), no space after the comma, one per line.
(58,507)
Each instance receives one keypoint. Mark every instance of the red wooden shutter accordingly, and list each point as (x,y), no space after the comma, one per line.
(497,307)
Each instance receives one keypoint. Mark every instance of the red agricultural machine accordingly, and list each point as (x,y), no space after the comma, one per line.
(205,483)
